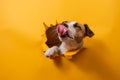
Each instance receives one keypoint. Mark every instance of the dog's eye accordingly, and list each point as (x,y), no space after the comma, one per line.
(76,26)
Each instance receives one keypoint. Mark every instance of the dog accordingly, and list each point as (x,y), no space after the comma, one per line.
(66,36)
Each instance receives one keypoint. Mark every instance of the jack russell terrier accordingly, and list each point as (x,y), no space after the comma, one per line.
(65,37)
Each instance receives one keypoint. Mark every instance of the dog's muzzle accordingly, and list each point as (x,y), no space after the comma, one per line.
(62,30)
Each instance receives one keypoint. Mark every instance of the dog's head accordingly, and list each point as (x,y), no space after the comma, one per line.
(73,31)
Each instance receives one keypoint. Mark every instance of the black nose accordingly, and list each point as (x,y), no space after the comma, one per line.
(64,21)
(65,25)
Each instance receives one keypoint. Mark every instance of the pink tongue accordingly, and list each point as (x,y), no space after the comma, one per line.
(62,29)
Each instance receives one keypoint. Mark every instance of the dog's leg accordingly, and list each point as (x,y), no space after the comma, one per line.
(62,49)
(53,51)
(56,51)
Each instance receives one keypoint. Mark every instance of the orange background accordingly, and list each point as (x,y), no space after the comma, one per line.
(21,56)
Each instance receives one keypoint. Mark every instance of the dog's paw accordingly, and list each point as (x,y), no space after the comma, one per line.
(51,52)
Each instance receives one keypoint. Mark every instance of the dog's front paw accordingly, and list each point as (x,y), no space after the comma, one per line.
(51,52)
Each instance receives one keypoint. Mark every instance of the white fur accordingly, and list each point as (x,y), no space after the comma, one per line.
(51,51)
(67,44)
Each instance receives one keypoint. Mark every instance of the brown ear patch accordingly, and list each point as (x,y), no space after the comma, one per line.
(52,36)
(88,31)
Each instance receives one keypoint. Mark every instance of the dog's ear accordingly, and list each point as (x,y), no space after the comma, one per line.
(88,31)
(52,36)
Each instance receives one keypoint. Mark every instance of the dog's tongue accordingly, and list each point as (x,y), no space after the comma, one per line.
(62,29)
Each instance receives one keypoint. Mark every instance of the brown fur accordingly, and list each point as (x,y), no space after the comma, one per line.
(72,40)
(52,37)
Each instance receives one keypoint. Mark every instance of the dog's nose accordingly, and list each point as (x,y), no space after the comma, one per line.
(62,30)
